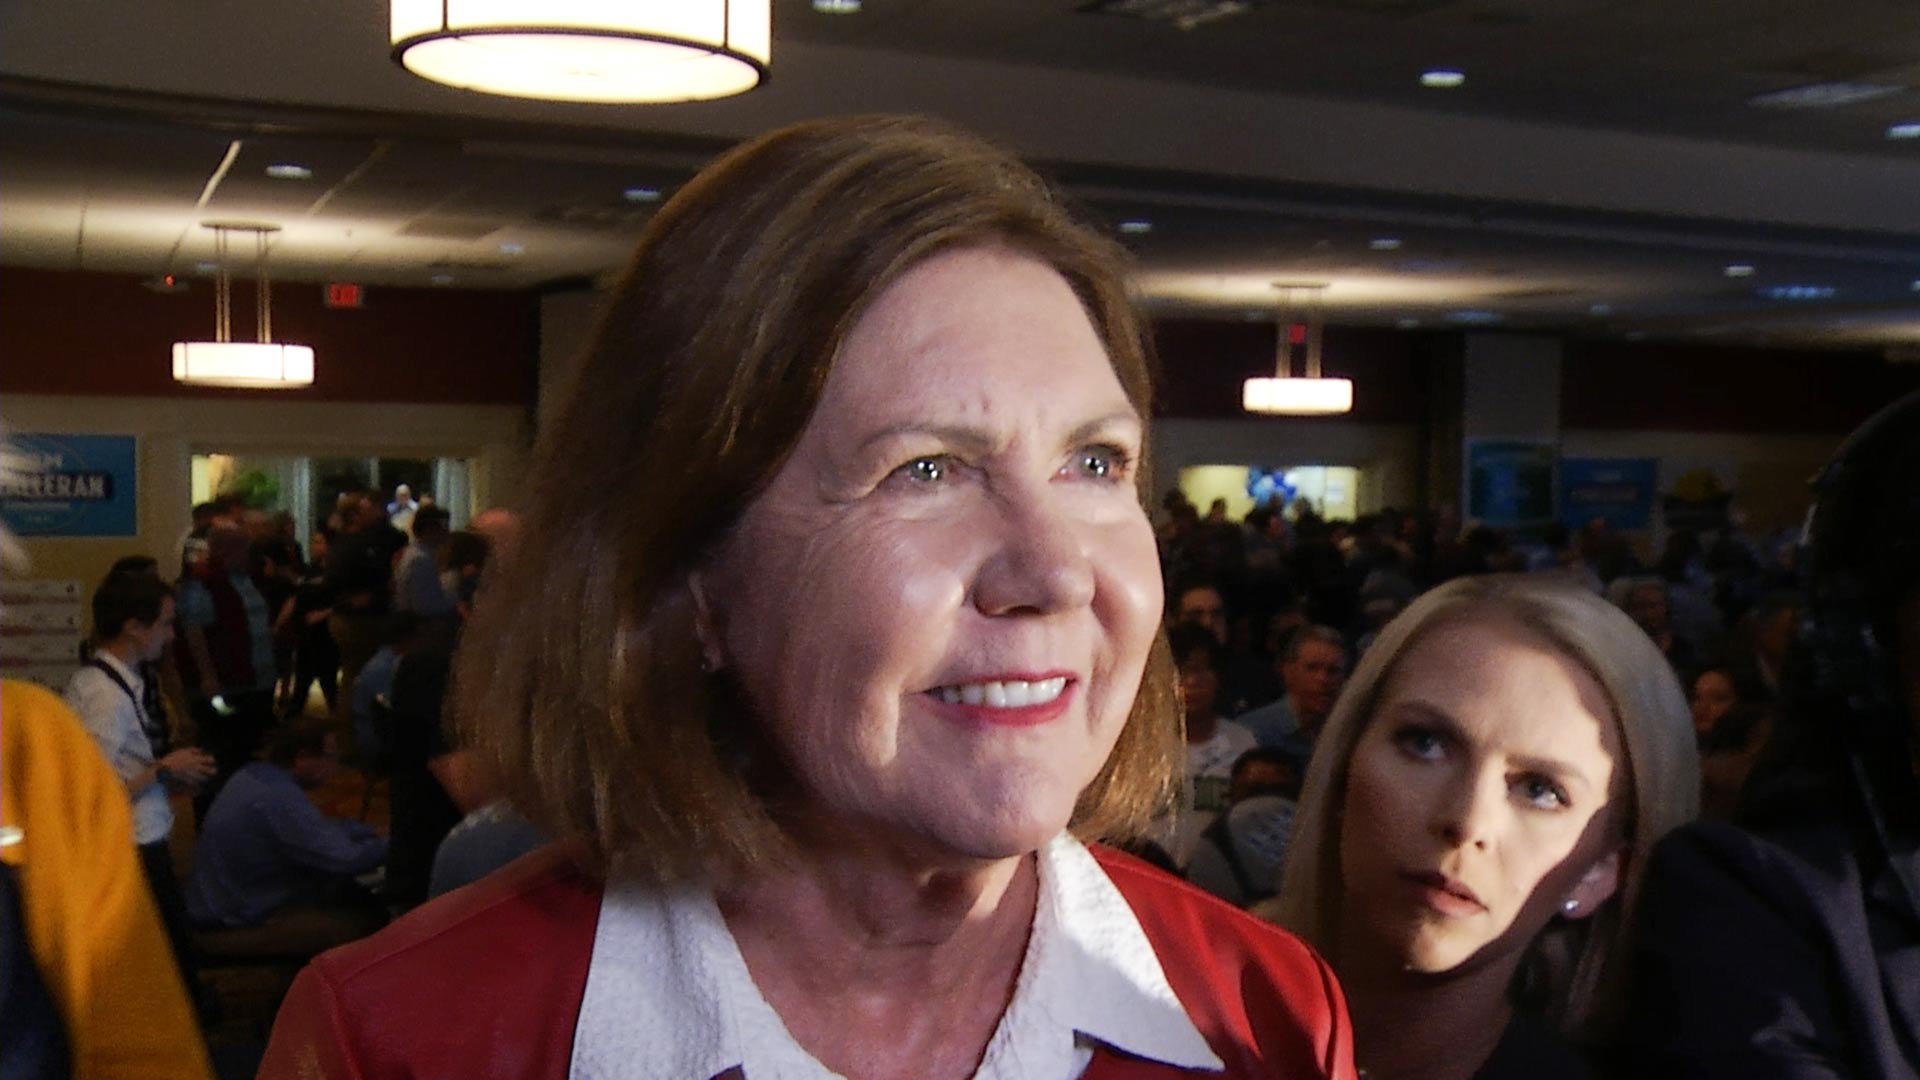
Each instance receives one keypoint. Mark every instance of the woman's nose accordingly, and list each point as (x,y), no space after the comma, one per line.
(1469,809)
(1040,563)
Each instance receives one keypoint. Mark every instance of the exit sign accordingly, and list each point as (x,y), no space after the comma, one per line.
(341,294)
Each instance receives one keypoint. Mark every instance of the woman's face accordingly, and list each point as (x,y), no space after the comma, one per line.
(1476,799)
(1713,695)
(942,605)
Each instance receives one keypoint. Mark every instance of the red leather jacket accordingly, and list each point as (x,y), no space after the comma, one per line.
(487,982)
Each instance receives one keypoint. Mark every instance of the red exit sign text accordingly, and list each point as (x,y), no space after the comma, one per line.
(341,294)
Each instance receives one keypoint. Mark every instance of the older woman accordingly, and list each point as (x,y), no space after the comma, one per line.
(827,648)
(1475,822)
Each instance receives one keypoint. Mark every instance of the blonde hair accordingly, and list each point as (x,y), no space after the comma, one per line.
(579,681)
(1575,968)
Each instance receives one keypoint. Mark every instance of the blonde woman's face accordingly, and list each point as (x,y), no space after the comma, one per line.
(942,606)
(1476,800)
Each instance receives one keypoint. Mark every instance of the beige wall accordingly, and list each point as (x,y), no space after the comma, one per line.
(1387,454)
(171,430)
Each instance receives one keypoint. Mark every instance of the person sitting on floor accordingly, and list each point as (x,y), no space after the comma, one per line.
(268,856)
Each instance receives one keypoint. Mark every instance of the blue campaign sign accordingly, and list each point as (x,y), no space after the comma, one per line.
(70,485)
(1618,491)
(1510,482)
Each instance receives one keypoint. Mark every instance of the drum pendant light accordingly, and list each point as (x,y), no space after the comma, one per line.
(623,51)
(261,364)
(1285,394)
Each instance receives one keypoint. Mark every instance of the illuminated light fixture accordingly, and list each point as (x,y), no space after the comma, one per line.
(1443,78)
(641,194)
(1738,270)
(1288,395)
(587,50)
(837,7)
(1904,131)
(1384,243)
(262,364)
(1136,227)
(289,171)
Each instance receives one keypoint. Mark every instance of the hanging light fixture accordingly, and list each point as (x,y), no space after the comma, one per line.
(261,364)
(587,50)
(1301,326)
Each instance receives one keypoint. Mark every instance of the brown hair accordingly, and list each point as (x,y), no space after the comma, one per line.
(579,681)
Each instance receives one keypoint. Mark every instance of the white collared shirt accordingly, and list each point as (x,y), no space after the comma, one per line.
(115,721)
(668,994)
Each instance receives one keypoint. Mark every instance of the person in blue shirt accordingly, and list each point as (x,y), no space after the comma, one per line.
(267,855)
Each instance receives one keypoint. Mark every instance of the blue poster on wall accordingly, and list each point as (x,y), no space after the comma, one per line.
(1618,491)
(1510,483)
(70,485)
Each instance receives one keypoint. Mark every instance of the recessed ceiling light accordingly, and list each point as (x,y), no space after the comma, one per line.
(513,248)
(1443,78)
(441,279)
(1798,292)
(1600,309)
(1136,227)
(837,7)
(1407,324)
(1384,243)
(289,171)
(1824,95)
(1904,131)
(1472,317)
(1916,285)
(641,194)
(1738,270)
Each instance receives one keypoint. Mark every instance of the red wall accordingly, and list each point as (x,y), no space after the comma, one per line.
(67,332)
(1204,361)
(1676,387)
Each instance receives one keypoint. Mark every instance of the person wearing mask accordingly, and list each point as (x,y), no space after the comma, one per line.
(1787,943)
(1474,828)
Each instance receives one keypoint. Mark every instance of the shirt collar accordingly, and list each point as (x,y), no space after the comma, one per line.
(130,673)
(668,994)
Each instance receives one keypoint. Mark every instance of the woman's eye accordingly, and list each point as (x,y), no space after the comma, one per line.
(1421,743)
(1542,793)
(924,470)
(1101,462)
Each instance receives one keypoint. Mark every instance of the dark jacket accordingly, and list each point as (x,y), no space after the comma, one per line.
(1776,955)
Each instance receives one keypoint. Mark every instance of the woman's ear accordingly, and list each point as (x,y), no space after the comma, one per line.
(1595,887)
(707,625)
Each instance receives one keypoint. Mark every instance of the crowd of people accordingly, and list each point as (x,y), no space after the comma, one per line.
(875,723)
(202,686)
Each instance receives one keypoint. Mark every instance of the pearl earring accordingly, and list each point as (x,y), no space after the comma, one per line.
(1570,906)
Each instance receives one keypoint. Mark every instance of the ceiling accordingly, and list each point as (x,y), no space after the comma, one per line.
(1601,168)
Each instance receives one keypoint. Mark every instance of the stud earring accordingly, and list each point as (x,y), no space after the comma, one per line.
(1570,906)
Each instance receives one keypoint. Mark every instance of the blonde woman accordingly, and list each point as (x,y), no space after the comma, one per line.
(1475,821)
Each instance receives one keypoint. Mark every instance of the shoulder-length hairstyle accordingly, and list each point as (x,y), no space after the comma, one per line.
(579,681)
(1575,968)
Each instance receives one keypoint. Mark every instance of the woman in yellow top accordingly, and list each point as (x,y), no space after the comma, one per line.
(98,995)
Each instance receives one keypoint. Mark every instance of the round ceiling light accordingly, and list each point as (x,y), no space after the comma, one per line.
(587,50)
